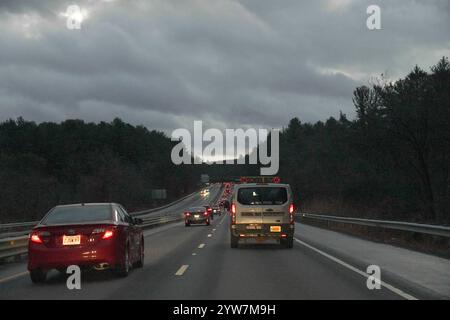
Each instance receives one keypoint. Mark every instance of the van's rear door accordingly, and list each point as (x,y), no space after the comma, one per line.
(275,204)
(248,209)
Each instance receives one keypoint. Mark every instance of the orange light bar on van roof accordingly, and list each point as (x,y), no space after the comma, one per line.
(259,179)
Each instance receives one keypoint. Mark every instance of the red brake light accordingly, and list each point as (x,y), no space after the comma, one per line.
(205,213)
(291,213)
(108,234)
(35,238)
(276,180)
(187,214)
(291,208)
(233,213)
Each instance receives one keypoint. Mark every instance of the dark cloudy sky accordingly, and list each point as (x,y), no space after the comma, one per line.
(232,63)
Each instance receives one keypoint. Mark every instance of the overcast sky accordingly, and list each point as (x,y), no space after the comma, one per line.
(231,63)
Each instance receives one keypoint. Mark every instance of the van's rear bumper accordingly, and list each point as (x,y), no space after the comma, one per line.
(251,230)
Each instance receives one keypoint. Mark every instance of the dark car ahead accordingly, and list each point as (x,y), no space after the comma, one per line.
(197,215)
(98,235)
(216,210)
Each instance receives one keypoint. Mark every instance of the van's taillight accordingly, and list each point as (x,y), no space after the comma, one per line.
(35,238)
(291,213)
(291,208)
(233,213)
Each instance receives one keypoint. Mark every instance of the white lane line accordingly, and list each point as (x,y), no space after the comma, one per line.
(201,246)
(342,263)
(209,235)
(194,254)
(14,276)
(214,230)
(182,270)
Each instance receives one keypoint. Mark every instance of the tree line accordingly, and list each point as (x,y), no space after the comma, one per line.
(392,161)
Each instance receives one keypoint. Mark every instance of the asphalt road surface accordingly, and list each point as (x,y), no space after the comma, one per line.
(197,263)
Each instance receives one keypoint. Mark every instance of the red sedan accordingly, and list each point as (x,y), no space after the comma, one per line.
(98,235)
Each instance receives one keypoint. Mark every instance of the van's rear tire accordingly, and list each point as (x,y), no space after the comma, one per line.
(234,241)
(287,243)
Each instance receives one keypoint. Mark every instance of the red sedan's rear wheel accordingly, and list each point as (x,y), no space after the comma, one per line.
(124,269)
(140,262)
(38,276)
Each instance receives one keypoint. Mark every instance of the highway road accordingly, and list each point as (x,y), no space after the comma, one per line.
(197,263)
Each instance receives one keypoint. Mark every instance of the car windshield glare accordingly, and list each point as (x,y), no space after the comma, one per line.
(262,196)
(78,214)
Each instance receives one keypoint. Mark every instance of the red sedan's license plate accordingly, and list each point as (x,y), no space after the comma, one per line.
(275,228)
(71,240)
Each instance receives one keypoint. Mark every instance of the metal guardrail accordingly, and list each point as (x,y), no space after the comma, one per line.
(436,230)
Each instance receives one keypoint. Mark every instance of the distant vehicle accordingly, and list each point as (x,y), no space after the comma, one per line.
(98,235)
(262,211)
(204,192)
(196,215)
(216,210)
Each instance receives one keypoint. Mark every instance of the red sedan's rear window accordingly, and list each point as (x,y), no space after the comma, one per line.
(78,214)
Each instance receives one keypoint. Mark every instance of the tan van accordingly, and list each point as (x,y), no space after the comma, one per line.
(262,211)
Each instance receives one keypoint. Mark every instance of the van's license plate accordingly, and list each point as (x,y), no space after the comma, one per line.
(275,228)
(253,227)
(71,240)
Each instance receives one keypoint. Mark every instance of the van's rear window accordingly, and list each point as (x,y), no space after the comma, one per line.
(262,195)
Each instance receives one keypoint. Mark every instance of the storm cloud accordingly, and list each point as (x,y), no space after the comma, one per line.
(166,63)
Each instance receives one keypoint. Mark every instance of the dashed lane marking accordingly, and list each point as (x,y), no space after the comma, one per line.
(182,270)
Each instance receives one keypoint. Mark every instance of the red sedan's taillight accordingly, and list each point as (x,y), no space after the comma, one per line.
(108,234)
(34,237)
(187,214)
(37,236)
(205,213)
